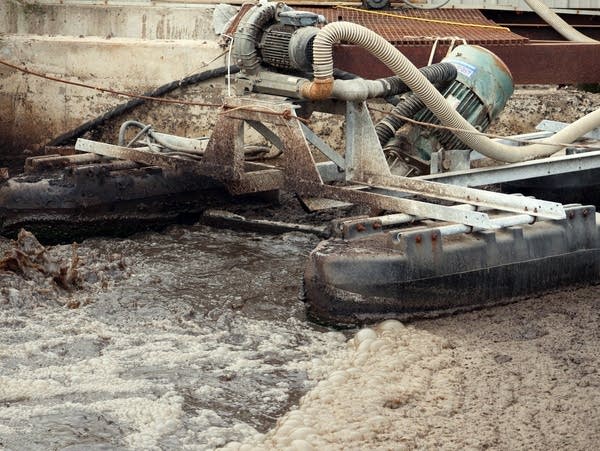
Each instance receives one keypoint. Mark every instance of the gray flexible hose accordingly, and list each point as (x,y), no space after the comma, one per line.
(554,20)
(401,66)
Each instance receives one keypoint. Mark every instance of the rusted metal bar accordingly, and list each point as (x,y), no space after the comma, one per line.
(221,218)
(257,181)
(50,162)
(532,63)
(59,150)
(250,182)
(140,155)
(95,168)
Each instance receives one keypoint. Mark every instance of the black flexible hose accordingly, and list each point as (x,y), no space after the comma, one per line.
(434,73)
(340,74)
(439,73)
(408,107)
(134,103)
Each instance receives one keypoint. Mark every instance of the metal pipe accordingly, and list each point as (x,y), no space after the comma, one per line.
(403,218)
(499,223)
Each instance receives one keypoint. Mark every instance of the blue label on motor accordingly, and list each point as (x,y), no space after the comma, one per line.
(464,68)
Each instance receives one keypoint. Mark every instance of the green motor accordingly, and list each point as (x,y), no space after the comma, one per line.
(482,87)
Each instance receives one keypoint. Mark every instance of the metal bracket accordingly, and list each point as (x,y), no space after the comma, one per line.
(363,151)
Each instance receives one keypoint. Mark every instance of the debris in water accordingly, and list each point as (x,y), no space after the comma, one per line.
(33,261)
(33,275)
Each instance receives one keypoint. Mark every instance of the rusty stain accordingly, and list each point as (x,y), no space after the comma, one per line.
(360,227)
(418,239)
(232,28)
(51,162)
(59,150)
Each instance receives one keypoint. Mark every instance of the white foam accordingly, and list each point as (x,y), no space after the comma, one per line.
(132,378)
(153,365)
(150,419)
(362,389)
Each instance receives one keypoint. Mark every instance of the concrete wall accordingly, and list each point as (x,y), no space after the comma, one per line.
(562,6)
(127,48)
(133,19)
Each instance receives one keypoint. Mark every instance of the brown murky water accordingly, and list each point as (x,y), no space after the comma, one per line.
(194,338)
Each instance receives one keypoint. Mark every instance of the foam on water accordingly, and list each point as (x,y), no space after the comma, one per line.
(202,343)
(363,388)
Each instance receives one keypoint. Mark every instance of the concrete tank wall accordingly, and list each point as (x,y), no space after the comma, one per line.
(133,19)
(126,48)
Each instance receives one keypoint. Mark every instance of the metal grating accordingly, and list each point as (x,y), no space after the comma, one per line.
(399,30)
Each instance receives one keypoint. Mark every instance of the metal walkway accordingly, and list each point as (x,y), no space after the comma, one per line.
(413,27)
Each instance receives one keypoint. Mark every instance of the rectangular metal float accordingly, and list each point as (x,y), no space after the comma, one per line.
(427,270)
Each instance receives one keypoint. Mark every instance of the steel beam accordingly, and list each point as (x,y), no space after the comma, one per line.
(323,147)
(409,206)
(555,126)
(453,193)
(519,171)
(551,62)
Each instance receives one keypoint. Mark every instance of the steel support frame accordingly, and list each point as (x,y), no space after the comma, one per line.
(519,171)
(368,179)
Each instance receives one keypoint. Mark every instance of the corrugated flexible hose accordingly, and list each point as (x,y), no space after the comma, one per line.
(322,86)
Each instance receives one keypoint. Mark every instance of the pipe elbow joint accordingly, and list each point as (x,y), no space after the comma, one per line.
(318,89)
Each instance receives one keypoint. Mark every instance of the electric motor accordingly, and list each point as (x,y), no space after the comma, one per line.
(288,47)
(482,87)
(277,36)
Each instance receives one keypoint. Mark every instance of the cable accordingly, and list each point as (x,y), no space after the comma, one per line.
(140,100)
